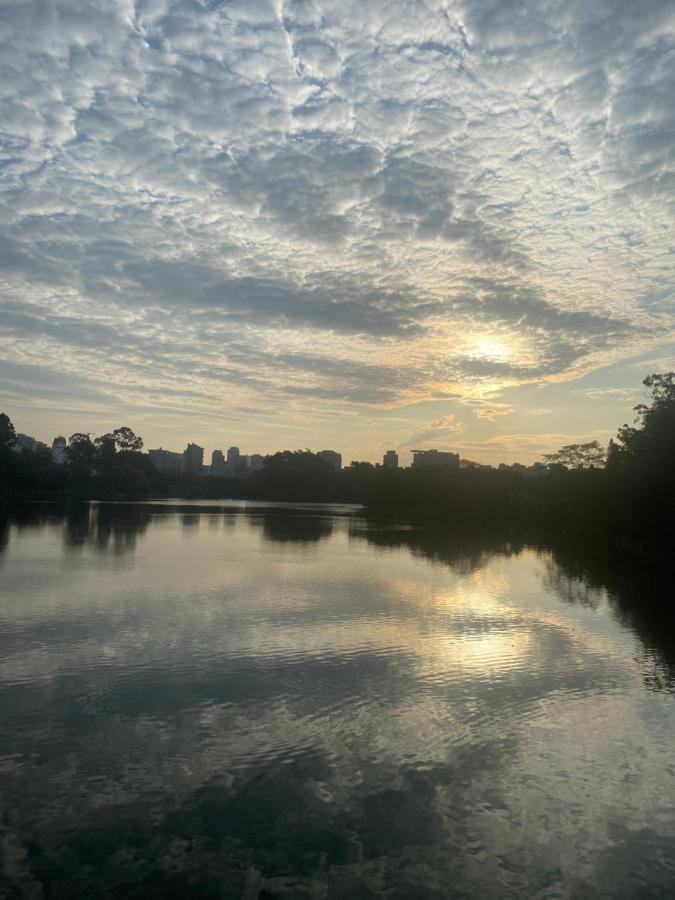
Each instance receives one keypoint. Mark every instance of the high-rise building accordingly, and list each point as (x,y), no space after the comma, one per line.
(233,456)
(390,459)
(59,450)
(217,463)
(256,461)
(166,461)
(193,459)
(332,457)
(424,459)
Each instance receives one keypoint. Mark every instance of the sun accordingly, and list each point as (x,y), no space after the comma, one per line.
(490,348)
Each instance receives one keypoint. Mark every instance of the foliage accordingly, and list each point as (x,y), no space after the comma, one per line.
(81,451)
(7,433)
(125,439)
(295,475)
(579,456)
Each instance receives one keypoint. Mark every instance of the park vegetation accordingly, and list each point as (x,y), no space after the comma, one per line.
(624,491)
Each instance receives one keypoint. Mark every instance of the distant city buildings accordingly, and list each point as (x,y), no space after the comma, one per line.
(424,459)
(535,469)
(218,464)
(237,465)
(193,459)
(256,461)
(332,457)
(390,459)
(24,442)
(191,462)
(166,461)
(59,450)
(470,464)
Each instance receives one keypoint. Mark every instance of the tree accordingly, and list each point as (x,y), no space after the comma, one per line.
(126,439)
(7,432)
(653,443)
(579,456)
(80,451)
(614,455)
(106,448)
(123,480)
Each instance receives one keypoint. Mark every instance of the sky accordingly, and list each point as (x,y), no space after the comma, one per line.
(356,225)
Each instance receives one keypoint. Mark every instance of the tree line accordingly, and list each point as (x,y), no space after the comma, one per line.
(626,489)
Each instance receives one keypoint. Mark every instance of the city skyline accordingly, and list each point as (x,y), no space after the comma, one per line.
(400,224)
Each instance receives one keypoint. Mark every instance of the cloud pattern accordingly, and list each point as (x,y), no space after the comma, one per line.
(245,206)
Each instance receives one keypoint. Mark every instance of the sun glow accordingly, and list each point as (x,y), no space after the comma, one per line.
(491,348)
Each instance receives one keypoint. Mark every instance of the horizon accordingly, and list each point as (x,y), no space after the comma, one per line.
(382,226)
(404,456)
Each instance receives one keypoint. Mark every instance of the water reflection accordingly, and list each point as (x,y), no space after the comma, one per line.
(106,528)
(295,527)
(463,552)
(203,702)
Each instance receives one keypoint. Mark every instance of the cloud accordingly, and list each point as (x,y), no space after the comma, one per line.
(492,413)
(439,431)
(248,205)
(448,423)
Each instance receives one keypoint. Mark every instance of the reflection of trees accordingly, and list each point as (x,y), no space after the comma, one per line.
(462,552)
(639,593)
(25,517)
(573,589)
(190,521)
(105,527)
(289,526)
(4,530)
(117,528)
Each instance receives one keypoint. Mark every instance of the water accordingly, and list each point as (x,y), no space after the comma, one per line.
(218,701)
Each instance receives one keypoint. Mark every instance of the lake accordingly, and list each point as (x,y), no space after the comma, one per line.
(218,700)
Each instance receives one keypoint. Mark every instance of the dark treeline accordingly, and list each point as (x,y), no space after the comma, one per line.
(626,492)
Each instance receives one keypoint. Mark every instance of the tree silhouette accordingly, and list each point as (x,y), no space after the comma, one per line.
(126,439)
(105,450)
(7,432)
(579,456)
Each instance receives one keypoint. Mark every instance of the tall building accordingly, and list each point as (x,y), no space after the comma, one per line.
(390,459)
(233,456)
(332,457)
(59,450)
(424,459)
(166,461)
(217,463)
(256,461)
(193,459)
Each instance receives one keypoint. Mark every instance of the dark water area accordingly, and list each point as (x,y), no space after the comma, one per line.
(221,700)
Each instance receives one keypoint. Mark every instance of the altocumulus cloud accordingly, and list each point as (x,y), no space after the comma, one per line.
(256,203)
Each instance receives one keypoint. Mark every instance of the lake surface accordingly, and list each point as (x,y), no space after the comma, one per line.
(212,700)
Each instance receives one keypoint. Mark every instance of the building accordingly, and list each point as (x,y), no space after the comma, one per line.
(332,457)
(193,459)
(256,461)
(390,459)
(217,463)
(59,450)
(24,442)
(166,461)
(470,464)
(237,463)
(425,459)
